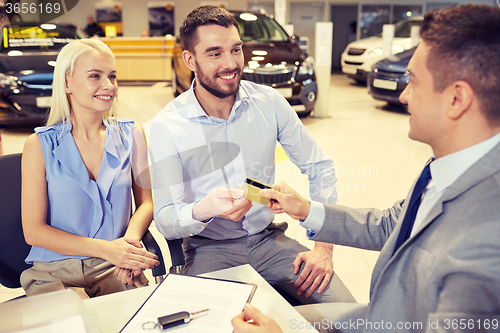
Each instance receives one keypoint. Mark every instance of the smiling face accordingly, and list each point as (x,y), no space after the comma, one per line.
(92,87)
(217,60)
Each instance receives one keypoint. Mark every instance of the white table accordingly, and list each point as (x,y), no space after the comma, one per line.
(114,310)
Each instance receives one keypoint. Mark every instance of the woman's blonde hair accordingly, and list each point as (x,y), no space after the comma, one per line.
(60,109)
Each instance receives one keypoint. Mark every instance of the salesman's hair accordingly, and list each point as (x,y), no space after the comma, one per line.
(464,45)
(60,110)
(204,15)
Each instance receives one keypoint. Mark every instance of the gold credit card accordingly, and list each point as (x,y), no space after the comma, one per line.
(252,188)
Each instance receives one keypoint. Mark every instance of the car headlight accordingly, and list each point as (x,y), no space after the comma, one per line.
(8,81)
(307,67)
(377,53)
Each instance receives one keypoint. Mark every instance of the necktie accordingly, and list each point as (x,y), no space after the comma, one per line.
(411,212)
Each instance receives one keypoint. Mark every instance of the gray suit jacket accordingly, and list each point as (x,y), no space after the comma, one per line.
(449,272)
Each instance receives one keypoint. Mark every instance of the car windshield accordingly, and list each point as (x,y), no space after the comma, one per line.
(35,38)
(404,30)
(260,28)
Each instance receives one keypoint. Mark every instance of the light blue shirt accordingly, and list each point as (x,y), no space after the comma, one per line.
(77,204)
(193,153)
(444,171)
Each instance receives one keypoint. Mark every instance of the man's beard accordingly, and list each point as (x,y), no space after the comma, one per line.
(214,89)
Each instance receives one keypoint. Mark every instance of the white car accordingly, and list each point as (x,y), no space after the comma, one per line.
(359,56)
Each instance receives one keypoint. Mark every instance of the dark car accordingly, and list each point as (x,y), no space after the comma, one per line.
(28,53)
(389,78)
(272,58)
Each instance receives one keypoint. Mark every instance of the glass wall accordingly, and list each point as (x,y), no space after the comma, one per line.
(373,17)
(431,6)
(400,12)
(268,6)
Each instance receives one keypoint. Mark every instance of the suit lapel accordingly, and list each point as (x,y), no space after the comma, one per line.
(479,171)
(486,167)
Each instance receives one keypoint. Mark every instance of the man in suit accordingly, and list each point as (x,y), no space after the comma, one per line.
(439,263)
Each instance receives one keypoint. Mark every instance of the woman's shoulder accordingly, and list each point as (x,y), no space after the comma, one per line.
(125,121)
(32,142)
(32,150)
(56,128)
(125,125)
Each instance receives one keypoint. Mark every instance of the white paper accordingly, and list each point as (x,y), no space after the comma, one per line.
(177,293)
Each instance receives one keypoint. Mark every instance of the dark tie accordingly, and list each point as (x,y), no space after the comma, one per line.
(411,212)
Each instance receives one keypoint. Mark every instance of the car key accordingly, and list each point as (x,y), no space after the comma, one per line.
(177,319)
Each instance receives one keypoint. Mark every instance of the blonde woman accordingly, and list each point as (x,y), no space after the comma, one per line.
(78,177)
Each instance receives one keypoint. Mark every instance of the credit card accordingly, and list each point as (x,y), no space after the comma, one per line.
(252,188)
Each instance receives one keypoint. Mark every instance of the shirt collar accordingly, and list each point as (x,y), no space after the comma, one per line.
(196,111)
(446,170)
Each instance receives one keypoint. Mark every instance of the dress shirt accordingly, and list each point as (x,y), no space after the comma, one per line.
(193,153)
(444,171)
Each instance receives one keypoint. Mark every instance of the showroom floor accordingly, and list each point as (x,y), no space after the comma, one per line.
(375,160)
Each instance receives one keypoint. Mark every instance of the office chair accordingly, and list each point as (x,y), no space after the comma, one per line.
(176,255)
(13,247)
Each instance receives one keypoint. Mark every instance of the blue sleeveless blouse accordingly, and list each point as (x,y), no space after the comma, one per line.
(97,209)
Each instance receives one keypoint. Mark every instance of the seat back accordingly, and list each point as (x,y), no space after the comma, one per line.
(13,247)
(176,255)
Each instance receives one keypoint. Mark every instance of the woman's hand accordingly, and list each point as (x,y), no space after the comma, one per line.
(127,276)
(125,255)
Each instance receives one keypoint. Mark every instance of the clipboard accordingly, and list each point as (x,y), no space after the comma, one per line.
(224,298)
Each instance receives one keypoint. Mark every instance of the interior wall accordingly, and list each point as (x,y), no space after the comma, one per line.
(342,16)
(304,16)
(135,12)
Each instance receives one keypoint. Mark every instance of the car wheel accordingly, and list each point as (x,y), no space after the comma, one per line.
(174,82)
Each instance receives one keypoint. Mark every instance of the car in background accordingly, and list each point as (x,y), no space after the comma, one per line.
(389,77)
(359,56)
(272,58)
(28,53)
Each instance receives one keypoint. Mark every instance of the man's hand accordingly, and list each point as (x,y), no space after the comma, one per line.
(260,324)
(318,269)
(237,212)
(287,200)
(221,200)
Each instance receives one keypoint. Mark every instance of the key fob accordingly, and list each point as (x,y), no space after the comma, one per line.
(174,319)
